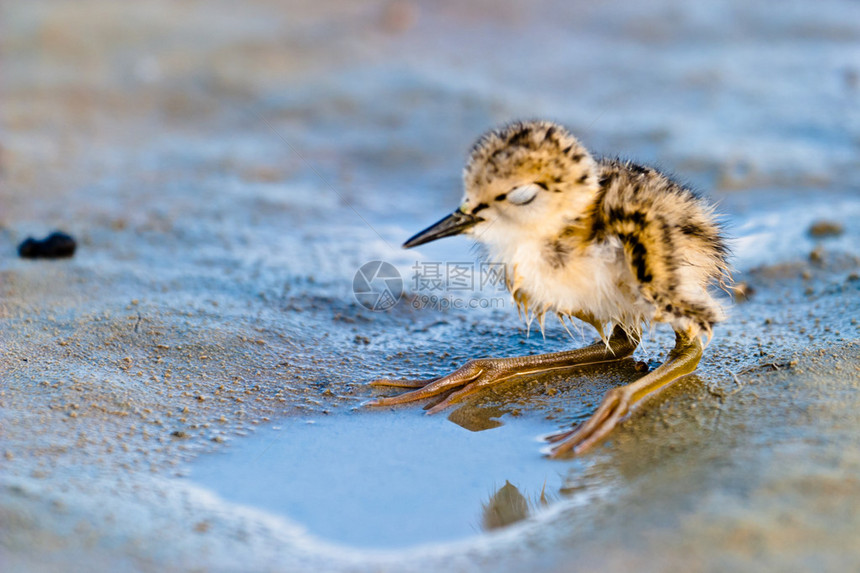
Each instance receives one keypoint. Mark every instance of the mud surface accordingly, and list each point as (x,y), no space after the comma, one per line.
(226,168)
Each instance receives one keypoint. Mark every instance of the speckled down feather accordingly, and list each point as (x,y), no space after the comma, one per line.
(603,240)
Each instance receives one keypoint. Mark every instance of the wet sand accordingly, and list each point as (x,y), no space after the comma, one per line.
(226,169)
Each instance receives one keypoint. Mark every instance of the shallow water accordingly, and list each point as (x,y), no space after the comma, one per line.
(386,479)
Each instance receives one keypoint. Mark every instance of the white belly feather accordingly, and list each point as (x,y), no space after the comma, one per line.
(597,284)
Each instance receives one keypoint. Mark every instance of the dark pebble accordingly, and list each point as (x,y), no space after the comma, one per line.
(54,246)
(823,229)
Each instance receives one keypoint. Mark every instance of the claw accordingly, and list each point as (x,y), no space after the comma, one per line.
(483,372)
(387,382)
(619,402)
(615,405)
(559,436)
(384,401)
(452,399)
(428,388)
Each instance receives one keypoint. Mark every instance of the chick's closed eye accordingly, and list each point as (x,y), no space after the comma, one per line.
(523,195)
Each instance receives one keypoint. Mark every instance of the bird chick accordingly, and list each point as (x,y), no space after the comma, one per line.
(606,241)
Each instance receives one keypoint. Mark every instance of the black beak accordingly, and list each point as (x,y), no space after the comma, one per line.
(453,224)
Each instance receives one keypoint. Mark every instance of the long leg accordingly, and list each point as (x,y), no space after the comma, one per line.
(477,374)
(620,402)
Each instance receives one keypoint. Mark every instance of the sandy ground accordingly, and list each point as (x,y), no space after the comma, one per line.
(227,167)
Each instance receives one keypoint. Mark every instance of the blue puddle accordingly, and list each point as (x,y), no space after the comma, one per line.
(388,479)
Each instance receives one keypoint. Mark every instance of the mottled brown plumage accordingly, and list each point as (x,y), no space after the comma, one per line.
(593,209)
(609,242)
